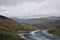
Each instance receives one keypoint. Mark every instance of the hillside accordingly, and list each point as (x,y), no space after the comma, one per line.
(9,28)
(56,28)
(53,23)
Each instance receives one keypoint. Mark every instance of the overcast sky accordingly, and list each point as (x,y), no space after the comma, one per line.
(29,8)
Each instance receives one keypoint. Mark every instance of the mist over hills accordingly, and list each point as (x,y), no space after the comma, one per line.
(37,20)
(44,22)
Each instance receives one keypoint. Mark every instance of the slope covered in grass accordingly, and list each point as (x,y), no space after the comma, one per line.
(56,29)
(9,29)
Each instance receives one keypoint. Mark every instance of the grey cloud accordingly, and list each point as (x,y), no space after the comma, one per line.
(2,10)
(35,15)
(8,2)
(31,8)
(15,2)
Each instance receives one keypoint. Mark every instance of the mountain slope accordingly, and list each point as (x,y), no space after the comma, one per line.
(9,28)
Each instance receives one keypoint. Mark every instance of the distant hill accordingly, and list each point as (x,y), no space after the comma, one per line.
(42,22)
(9,28)
(36,20)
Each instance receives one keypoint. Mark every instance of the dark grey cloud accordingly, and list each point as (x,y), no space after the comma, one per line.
(2,10)
(14,2)
(8,2)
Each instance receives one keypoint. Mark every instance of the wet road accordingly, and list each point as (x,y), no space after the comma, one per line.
(39,35)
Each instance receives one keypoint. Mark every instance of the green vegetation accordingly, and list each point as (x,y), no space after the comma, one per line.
(55,32)
(10,36)
(7,34)
(56,29)
(9,29)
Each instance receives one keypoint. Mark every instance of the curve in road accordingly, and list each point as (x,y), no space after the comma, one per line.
(39,35)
